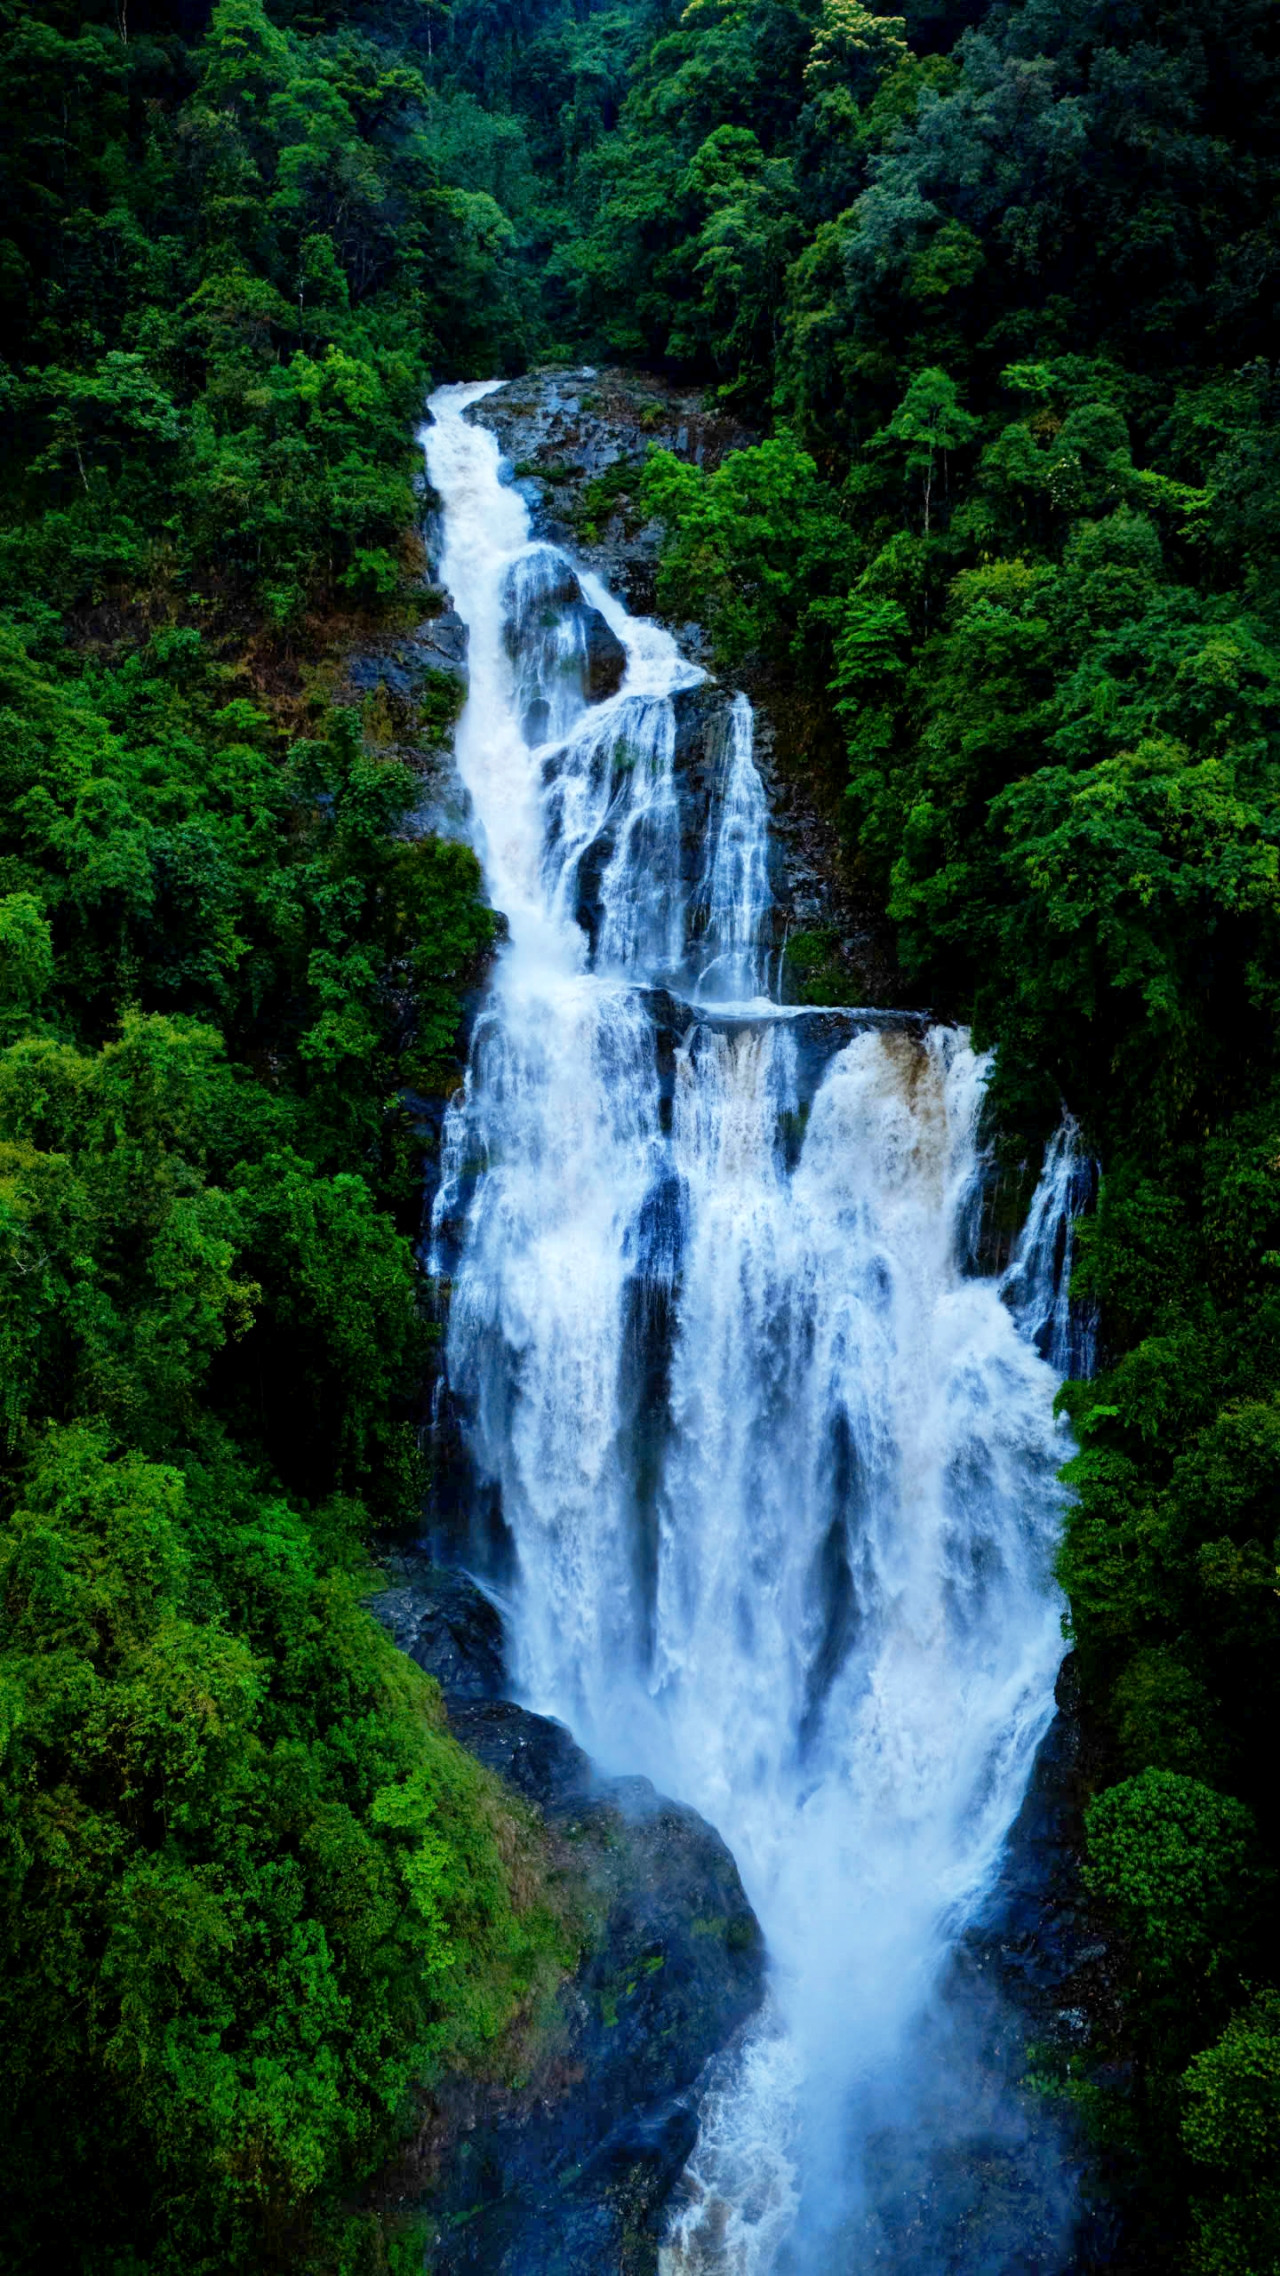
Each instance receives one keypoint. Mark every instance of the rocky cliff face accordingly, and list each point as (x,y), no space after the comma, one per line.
(566,2172)
(411,689)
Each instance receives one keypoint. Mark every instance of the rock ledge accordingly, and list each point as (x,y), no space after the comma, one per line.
(568,2173)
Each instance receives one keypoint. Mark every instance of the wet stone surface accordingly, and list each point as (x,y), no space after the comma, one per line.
(445,1623)
(575,442)
(567,2174)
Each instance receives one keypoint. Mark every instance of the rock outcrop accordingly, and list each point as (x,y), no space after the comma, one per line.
(567,2174)
(558,641)
(411,688)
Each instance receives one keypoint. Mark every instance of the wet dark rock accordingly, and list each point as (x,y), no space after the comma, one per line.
(536,722)
(447,1624)
(541,590)
(419,681)
(569,2176)
(702,714)
(1038,1969)
(442,640)
(972,2174)
(606,658)
(535,1755)
(369,672)
(1038,1929)
(567,2173)
(576,443)
(541,583)
(405,667)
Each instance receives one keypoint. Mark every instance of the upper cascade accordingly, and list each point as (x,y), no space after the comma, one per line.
(767,1468)
(596,838)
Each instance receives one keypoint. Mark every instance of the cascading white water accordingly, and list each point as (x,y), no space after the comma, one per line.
(734,893)
(777,1469)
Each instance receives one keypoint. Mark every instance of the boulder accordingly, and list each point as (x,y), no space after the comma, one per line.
(540,585)
(540,595)
(447,1624)
(606,658)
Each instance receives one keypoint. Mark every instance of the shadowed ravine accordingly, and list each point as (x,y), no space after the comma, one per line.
(775,1464)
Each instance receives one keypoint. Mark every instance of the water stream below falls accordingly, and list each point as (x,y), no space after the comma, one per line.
(772,1461)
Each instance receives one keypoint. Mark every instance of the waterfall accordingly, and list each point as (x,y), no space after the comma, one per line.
(735,896)
(776,1468)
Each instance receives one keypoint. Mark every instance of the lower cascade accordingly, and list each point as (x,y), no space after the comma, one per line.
(764,1465)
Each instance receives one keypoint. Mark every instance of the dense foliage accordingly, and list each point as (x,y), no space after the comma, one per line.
(999,285)
(252,1895)
(996,286)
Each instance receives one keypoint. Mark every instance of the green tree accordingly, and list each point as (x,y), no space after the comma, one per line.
(1231,2128)
(754,547)
(26,956)
(1176,1860)
(927,426)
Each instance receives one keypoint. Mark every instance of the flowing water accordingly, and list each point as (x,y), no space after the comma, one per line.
(774,1462)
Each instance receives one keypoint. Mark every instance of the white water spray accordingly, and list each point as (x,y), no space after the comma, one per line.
(778,1471)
